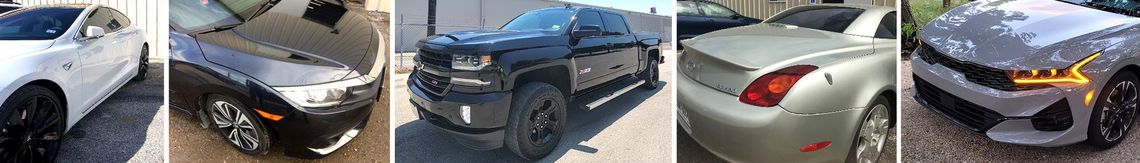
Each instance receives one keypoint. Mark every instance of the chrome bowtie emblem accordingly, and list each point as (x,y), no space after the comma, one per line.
(434,82)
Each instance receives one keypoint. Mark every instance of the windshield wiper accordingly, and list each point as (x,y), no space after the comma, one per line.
(220,28)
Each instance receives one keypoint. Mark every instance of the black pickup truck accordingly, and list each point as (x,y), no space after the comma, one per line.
(511,87)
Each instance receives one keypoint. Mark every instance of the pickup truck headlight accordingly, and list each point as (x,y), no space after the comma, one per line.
(470,62)
(1072,74)
(322,95)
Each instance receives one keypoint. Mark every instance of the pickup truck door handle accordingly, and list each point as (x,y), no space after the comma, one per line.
(616,67)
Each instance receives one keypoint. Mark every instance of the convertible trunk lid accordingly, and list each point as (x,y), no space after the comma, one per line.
(729,60)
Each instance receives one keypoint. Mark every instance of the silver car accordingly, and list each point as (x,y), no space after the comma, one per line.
(813,83)
(1039,73)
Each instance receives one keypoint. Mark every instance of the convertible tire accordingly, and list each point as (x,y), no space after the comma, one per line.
(871,136)
(537,119)
(1114,112)
(33,126)
(238,125)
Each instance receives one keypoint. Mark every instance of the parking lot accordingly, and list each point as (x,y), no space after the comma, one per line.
(930,137)
(127,127)
(634,127)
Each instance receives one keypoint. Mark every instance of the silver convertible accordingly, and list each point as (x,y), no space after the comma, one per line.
(1039,73)
(813,83)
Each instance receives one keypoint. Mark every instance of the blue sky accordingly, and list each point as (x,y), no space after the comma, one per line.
(664,7)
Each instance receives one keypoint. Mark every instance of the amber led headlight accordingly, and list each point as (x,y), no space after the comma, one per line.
(1072,74)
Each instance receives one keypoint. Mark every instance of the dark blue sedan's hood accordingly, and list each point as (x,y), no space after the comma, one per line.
(288,47)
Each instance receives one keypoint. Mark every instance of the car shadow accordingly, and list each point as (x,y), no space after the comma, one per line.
(117,130)
(421,142)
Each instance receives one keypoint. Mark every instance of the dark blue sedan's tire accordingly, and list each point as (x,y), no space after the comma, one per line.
(237,125)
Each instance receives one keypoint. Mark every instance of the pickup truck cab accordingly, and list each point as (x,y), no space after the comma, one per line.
(511,87)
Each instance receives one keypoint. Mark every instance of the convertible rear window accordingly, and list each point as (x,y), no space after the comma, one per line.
(37,24)
(828,19)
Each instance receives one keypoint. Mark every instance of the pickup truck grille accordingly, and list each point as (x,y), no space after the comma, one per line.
(435,59)
(434,84)
(976,73)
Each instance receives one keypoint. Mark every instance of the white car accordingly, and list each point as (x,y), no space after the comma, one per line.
(59,62)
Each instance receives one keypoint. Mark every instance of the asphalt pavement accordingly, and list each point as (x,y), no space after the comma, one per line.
(634,127)
(129,126)
(930,137)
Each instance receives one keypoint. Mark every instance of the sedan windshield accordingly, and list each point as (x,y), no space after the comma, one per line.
(200,15)
(1124,7)
(37,24)
(828,19)
(542,20)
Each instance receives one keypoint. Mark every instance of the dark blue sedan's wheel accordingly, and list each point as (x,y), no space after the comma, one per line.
(33,125)
(1114,112)
(238,126)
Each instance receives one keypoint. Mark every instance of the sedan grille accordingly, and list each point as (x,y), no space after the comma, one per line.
(970,115)
(976,73)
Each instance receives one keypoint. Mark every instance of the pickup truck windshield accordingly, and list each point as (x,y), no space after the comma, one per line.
(828,19)
(1123,7)
(542,20)
(40,24)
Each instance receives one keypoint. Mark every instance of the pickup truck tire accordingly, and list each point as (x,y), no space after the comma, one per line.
(538,115)
(650,75)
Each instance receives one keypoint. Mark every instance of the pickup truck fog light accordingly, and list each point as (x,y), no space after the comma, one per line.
(465,112)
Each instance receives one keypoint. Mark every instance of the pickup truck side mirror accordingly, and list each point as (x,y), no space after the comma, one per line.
(587,31)
(94,32)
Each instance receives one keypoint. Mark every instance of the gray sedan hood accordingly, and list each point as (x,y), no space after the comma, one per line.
(1024,34)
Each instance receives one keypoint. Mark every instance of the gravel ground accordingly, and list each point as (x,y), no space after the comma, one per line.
(929,137)
(631,128)
(125,127)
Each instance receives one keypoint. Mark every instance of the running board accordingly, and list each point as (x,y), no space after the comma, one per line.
(613,95)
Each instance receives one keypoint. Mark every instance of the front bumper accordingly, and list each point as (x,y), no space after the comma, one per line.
(740,132)
(488,115)
(315,135)
(1004,116)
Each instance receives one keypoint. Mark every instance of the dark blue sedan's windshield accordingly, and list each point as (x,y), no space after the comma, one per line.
(1124,7)
(542,20)
(37,24)
(204,14)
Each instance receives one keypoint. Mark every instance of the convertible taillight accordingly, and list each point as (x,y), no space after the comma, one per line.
(770,88)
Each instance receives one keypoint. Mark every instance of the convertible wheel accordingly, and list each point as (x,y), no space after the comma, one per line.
(538,115)
(238,126)
(33,125)
(1114,112)
(144,64)
(873,132)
